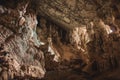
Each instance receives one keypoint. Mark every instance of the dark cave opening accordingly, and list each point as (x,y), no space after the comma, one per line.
(59,32)
(64,35)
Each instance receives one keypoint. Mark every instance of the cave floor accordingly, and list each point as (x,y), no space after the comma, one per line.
(79,75)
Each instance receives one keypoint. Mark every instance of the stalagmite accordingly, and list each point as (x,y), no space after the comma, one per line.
(53,51)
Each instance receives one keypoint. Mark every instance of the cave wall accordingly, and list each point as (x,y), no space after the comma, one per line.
(79,29)
(91,27)
(20,55)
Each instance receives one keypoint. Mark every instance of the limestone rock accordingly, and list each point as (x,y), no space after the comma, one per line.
(17,50)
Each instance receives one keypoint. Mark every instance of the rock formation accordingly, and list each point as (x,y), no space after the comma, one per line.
(74,37)
(20,53)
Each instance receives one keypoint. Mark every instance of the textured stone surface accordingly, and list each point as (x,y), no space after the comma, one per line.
(19,47)
(84,35)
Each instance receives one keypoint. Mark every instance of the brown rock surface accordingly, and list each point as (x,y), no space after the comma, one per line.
(79,39)
(19,44)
